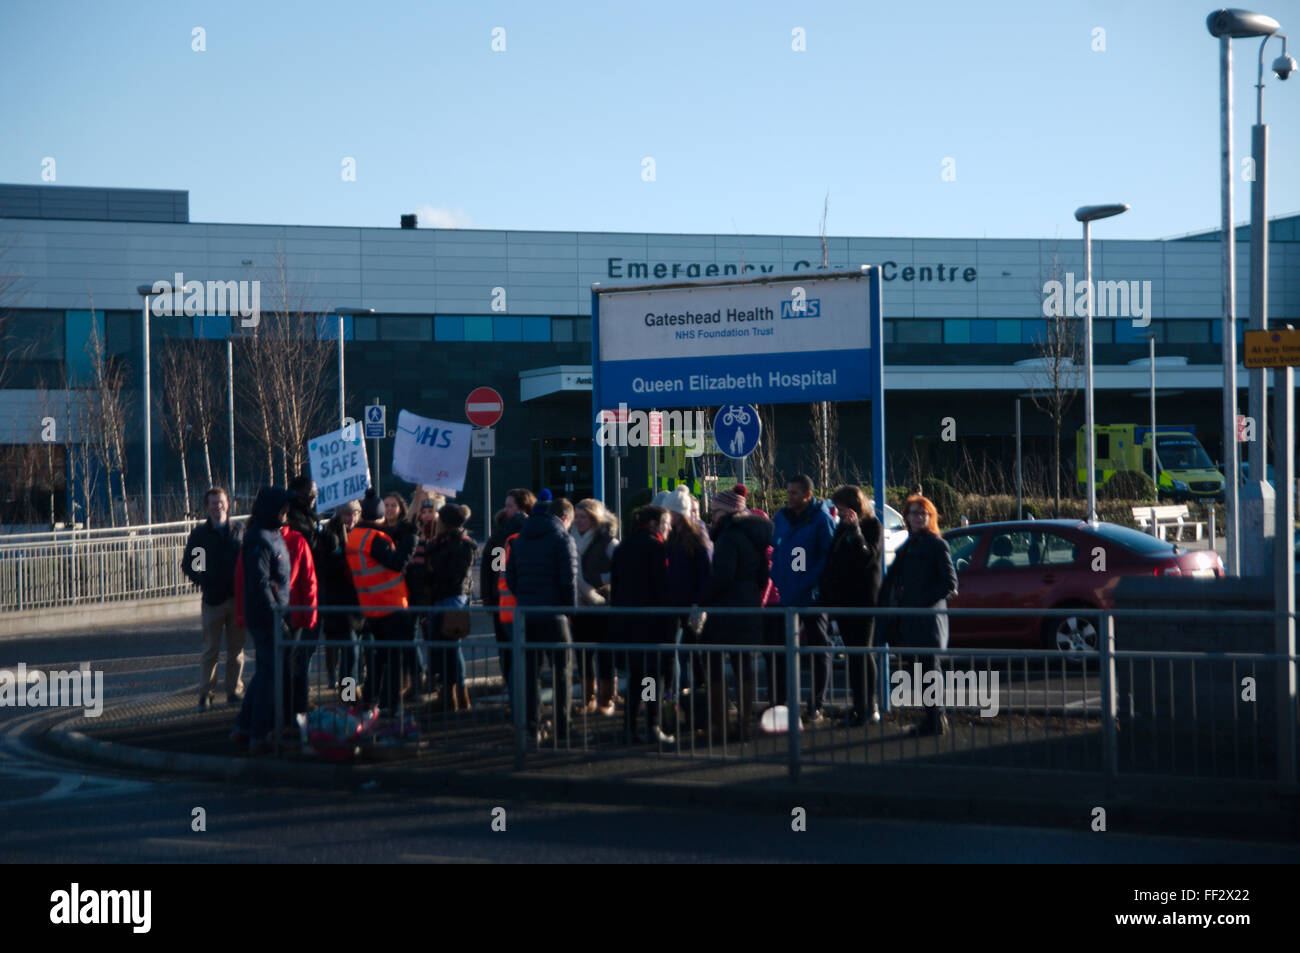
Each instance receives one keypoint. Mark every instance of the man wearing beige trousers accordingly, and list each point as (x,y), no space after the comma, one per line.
(209,563)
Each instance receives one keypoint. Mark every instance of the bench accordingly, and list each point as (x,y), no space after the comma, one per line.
(1167,516)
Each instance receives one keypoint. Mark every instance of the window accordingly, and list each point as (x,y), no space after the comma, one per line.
(539,329)
(1132,540)
(956,331)
(1008,332)
(507,328)
(1127,333)
(394,328)
(983,331)
(562,329)
(918,332)
(1057,550)
(1014,549)
(1033,332)
(365,329)
(1103,332)
(1103,446)
(1187,332)
(478,328)
(446,328)
(962,547)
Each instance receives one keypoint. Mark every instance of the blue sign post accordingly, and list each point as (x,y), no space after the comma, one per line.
(797,337)
(736,430)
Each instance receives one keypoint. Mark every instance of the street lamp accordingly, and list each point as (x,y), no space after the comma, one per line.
(1227,25)
(1258,499)
(342,311)
(146,291)
(1150,336)
(1087,214)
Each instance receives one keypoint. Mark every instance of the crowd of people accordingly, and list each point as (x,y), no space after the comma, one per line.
(373,560)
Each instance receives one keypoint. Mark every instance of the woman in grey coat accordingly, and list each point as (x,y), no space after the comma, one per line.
(922,577)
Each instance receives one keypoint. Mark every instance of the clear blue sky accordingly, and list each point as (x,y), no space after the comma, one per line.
(746,134)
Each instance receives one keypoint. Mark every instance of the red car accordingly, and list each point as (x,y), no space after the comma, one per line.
(1053,564)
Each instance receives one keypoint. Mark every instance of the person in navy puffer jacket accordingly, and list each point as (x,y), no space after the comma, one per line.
(265,589)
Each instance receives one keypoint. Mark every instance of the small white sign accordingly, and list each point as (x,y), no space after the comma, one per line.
(484,443)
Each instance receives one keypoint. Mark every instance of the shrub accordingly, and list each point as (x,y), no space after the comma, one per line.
(945,500)
(1128,485)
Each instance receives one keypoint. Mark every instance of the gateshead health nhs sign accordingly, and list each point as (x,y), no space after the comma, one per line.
(772,339)
(769,339)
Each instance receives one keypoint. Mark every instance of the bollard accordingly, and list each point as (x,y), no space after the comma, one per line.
(278,719)
(1109,702)
(517,675)
(792,704)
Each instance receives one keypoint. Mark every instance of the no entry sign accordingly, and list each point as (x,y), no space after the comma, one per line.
(483,407)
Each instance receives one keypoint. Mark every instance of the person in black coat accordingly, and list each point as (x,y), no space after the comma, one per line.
(334,582)
(922,577)
(852,578)
(638,578)
(508,521)
(266,589)
(740,576)
(543,571)
(450,564)
(209,562)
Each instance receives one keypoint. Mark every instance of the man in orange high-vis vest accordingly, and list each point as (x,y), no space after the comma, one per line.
(378,573)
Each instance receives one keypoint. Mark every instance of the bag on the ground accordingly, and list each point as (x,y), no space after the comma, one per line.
(335,732)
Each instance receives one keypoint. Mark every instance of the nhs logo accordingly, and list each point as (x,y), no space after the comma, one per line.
(800,307)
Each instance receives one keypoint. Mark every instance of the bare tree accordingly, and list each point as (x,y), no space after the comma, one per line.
(825,428)
(105,426)
(825,417)
(209,400)
(175,400)
(1055,376)
(285,368)
(763,460)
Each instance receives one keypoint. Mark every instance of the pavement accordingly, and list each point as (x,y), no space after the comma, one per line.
(973,774)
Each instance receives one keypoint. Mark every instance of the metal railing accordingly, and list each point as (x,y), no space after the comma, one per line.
(1113,714)
(44,570)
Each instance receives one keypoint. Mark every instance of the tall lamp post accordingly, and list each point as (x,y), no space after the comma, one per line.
(342,311)
(1228,25)
(146,291)
(1087,214)
(1151,360)
(1258,499)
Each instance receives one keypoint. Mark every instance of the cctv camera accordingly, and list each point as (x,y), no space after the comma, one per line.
(1284,66)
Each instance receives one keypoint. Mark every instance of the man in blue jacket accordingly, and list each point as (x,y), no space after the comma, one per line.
(801,541)
(543,571)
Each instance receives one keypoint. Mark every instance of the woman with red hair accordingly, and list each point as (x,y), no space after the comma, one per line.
(922,577)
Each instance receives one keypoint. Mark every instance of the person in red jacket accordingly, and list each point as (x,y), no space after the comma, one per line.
(302,622)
